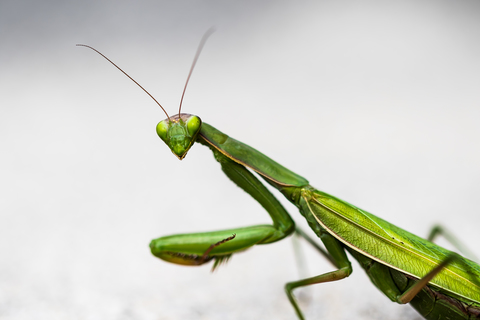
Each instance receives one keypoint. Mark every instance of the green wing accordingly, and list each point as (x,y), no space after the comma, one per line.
(392,246)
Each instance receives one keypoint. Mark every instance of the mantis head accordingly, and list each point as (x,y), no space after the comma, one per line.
(179,132)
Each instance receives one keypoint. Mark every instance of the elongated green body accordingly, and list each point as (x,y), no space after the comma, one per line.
(393,258)
(439,284)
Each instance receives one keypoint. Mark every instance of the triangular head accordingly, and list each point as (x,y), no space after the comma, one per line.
(179,132)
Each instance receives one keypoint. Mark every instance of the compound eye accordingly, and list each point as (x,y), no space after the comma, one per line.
(193,125)
(162,129)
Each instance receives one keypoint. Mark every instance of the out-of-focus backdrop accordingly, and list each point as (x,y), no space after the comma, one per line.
(376,102)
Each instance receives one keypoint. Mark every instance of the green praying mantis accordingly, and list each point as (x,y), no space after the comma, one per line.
(439,284)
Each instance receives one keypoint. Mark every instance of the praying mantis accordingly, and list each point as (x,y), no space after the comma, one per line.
(438,283)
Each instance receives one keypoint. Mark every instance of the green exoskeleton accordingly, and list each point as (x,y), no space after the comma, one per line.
(406,268)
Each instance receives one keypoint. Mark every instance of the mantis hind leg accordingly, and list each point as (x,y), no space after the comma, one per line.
(450,237)
(431,303)
(408,295)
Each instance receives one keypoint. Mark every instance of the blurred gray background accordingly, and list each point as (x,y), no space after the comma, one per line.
(376,102)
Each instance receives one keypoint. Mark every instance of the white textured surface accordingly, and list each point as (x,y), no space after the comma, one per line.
(377,103)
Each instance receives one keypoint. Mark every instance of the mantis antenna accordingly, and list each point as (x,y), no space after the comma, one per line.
(83,45)
(197,54)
